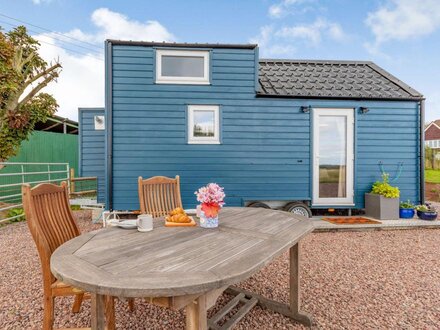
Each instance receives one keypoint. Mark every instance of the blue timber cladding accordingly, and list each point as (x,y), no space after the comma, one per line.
(92,148)
(266,142)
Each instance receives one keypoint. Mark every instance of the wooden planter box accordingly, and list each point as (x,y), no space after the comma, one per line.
(380,207)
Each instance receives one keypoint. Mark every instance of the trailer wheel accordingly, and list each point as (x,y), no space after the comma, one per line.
(298,208)
(259,204)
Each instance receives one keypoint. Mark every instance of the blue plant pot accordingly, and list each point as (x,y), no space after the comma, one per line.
(427,215)
(207,222)
(406,213)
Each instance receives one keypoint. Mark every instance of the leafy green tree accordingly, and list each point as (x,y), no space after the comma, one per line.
(23,74)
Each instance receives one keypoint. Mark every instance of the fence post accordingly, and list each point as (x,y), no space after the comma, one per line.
(72,181)
(48,173)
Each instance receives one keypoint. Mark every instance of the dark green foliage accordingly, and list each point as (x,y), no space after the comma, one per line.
(23,74)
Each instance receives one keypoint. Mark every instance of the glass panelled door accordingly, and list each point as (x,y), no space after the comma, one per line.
(333,156)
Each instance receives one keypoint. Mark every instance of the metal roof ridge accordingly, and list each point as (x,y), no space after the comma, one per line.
(264,60)
(179,44)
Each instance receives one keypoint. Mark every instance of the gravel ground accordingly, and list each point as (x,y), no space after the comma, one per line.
(350,280)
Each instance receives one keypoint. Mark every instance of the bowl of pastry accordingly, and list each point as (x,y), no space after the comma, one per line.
(178,218)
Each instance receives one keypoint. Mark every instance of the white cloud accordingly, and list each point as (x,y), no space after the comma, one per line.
(285,7)
(404,19)
(264,37)
(432,105)
(314,32)
(268,48)
(39,2)
(81,82)
(373,49)
(276,42)
(114,25)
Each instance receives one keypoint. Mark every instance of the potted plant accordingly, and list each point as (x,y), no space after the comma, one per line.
(426,212)
(406,210)
(211,198)
(383,201)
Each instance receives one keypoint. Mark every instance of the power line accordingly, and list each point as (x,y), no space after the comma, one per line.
(62,47)
(71,50)
(48,30)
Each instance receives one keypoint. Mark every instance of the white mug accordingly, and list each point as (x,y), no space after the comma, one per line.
(145,222)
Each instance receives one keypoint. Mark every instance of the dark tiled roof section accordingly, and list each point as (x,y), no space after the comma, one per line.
(331,79)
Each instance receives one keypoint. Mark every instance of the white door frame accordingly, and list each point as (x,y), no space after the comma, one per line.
(349,114)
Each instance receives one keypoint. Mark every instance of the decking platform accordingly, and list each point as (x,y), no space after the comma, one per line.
(323,226)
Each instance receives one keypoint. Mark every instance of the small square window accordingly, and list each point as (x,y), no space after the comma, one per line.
(182,67)
(99,122)
(203,124)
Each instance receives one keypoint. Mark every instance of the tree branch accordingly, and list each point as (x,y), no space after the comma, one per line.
(41,74)
(34,91)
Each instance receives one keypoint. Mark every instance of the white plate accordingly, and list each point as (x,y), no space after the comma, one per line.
(113,222)
(191,211)
(127,224)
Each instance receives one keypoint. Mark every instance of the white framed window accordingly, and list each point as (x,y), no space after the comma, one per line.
(99,122)
(182,66)
(203,124)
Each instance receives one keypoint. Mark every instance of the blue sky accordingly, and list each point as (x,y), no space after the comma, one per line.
(402,36)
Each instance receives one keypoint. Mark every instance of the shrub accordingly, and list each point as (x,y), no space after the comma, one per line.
(406,205)
(384,188)
(426,208)
(14,212)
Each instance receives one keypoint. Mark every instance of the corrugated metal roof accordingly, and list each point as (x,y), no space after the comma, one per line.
(181,44)
(331,79)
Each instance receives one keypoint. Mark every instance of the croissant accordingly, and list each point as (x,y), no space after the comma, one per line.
(180,218)
(177,210)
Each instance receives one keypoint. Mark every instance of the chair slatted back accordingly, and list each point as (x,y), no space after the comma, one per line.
(50,220)
(159,195)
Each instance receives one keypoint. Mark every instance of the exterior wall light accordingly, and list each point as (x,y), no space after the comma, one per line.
(306,109)
(363,110)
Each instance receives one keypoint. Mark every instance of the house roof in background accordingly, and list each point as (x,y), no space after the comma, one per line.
(180,44)
(331,79)
(56,124)
(435,123)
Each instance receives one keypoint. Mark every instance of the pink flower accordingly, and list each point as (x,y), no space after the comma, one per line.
(212,194)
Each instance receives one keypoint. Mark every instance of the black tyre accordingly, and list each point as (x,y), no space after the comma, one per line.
(259,204)
(298,208)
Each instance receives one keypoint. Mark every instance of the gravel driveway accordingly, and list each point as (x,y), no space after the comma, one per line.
(370,280)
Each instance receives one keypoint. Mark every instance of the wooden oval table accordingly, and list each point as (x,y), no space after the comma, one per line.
(186,267)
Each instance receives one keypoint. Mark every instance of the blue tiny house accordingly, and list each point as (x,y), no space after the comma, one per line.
(92,147)
(274,131)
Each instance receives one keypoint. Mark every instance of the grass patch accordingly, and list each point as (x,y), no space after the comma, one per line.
(432,176)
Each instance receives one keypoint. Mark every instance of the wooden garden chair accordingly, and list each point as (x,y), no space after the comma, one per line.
(51,223)
(159,195)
